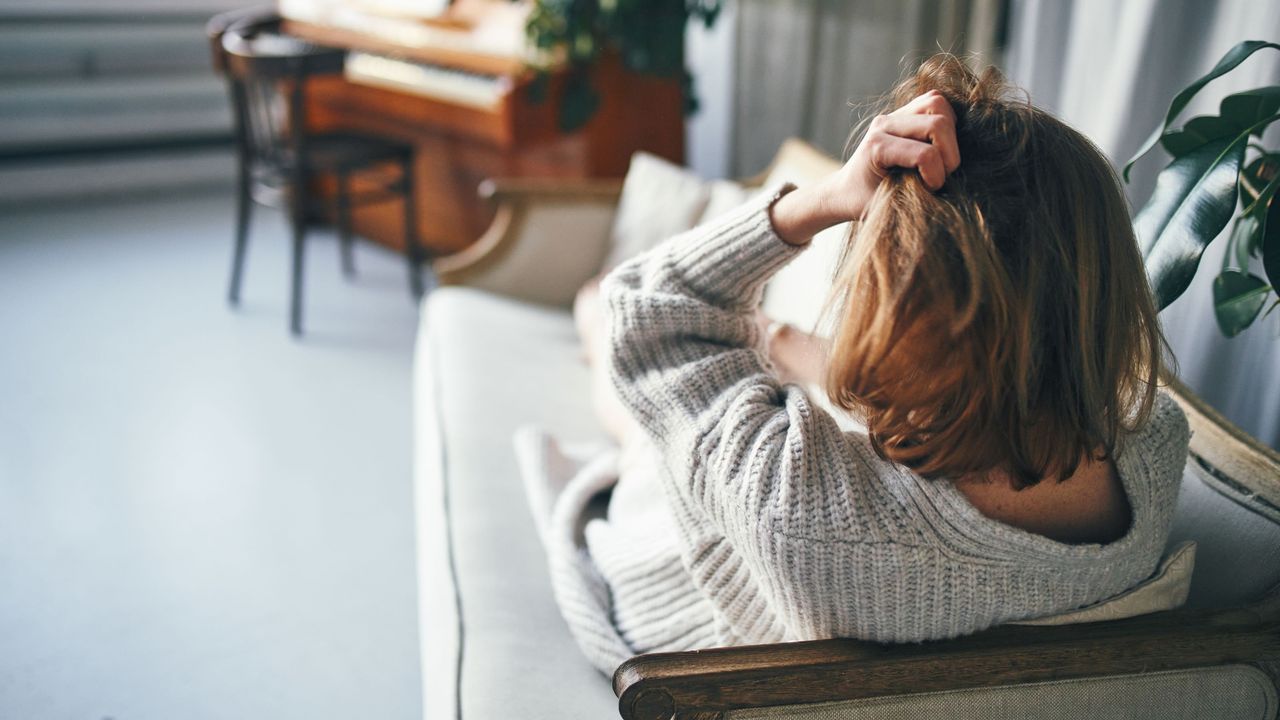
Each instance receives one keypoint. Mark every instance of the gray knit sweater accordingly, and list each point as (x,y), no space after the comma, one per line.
(761,521)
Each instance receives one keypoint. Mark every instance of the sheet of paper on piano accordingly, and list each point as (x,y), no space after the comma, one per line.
(403,8)
(486,27)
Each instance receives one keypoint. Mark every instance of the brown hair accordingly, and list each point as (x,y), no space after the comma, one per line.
(1004,322)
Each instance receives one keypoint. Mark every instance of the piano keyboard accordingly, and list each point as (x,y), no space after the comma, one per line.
(475,90)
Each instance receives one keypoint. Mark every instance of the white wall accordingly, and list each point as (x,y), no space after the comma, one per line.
(710,53)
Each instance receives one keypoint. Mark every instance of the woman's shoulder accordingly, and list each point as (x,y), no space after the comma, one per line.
(1151,460)
(1165,434)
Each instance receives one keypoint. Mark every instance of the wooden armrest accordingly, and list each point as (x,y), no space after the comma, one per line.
(537,221)
(1228,450)
(704,684)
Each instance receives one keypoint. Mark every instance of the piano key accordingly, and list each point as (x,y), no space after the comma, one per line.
(429,80)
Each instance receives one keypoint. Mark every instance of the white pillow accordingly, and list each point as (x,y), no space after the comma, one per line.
(723,196)
(659,200)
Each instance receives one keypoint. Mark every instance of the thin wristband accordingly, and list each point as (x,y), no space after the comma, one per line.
(783,190)
(775,329)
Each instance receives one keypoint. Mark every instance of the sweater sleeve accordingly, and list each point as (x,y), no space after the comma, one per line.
(747,451)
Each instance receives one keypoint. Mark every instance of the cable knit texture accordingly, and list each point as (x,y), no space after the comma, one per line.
(760,521)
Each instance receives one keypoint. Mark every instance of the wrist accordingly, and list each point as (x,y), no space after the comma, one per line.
(800,213)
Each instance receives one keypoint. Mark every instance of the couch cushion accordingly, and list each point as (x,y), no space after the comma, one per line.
(1237,535)
(493,642)
(659,199)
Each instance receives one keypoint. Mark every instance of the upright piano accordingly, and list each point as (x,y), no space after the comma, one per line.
(454,79)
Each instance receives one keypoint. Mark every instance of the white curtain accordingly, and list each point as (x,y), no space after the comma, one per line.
(804,67)
(1110,69)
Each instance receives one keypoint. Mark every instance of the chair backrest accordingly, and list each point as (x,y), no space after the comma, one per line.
(267,73)
(218,25)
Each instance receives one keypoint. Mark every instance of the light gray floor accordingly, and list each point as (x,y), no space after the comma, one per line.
(200,517)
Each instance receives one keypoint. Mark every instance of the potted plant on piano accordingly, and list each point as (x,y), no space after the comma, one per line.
(647,36)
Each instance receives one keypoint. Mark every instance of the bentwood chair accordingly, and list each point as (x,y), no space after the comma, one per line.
(281,160)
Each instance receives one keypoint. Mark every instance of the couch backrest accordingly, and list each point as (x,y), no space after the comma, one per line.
(1230,505)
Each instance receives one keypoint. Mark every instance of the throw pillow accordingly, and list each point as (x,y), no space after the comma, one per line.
(1165,590)
(659,200)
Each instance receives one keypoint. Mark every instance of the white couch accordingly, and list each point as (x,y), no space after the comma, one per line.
(497,350)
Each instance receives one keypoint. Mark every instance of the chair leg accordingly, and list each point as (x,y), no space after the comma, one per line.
(244,204)
(299,228)
(344,225)
(412,252)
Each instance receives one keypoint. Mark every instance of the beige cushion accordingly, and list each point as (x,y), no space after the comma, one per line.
(658,200)
(723,196)
(1236,530)
(1165,590)
(797,293)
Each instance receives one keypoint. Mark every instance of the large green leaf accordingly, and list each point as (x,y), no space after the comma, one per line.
(1236,113)
(1244,234)
(1233,58)
(1237,299)
(1248,107)
(1256,191)
(1194,198)
(1271,244)
(1196,132)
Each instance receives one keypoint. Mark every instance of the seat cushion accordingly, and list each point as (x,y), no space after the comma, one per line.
(493,642)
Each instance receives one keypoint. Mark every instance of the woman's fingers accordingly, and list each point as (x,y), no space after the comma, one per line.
(889,151)
(929,103)
(937,130)
(921,135)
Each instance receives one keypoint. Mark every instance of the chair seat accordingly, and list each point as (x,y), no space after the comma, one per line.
(330,153)
(349,150)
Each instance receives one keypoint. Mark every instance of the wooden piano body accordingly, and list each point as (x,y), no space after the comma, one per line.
(466,106)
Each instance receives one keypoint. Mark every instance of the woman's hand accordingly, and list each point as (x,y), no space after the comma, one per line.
(919,135)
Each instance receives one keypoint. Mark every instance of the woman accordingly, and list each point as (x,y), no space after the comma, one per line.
(994,330)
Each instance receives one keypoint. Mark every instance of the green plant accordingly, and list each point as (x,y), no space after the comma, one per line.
(1216,166)
(648,36)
